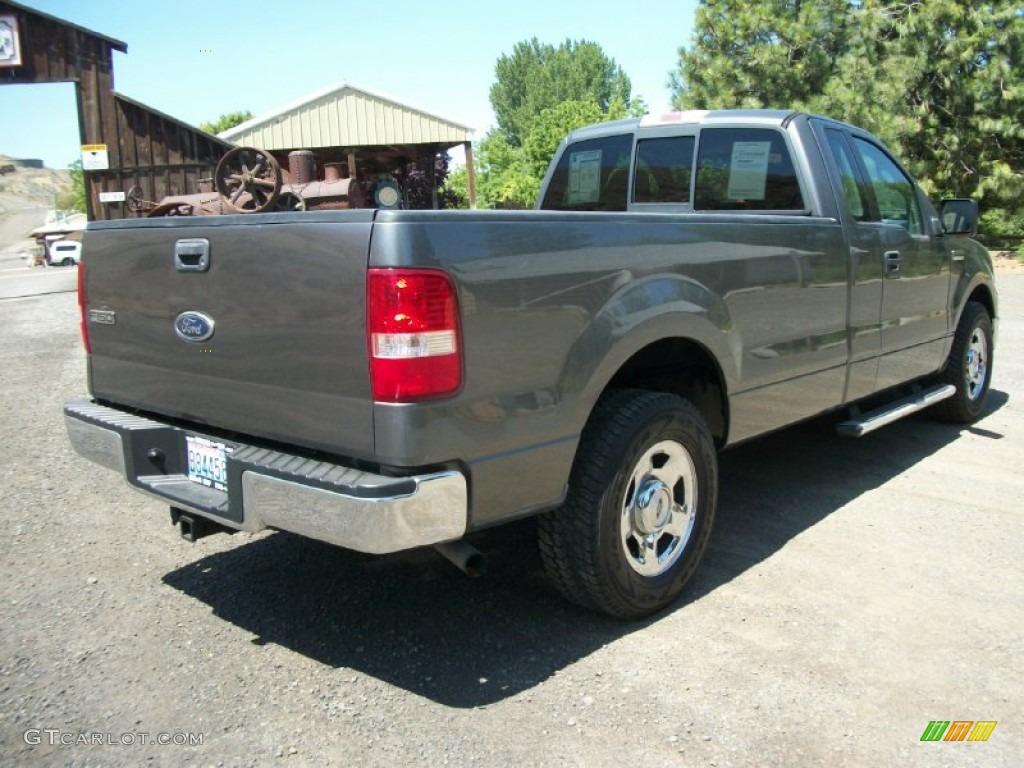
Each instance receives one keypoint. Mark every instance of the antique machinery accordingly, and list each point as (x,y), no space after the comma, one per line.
(249,180)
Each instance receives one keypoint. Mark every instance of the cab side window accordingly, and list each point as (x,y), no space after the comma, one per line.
(745,169)
(591,175)
(894,192)
(664,168)
(853,192)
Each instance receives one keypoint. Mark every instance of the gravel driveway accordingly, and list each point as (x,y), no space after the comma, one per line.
(854,591)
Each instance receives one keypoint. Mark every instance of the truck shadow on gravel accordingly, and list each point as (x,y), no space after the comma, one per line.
(774,488)
(414,621)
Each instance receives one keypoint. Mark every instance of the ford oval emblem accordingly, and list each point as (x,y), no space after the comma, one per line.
(193,326)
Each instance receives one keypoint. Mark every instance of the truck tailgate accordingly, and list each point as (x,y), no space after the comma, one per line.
(287,359)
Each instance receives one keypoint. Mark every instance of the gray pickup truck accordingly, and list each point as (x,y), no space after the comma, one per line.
(383,380)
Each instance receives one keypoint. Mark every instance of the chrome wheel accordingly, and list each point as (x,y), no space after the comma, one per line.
(658,508)
(969,367)
(640,508)
(976,364)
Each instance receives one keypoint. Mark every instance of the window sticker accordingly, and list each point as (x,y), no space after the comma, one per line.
(585,177)
(748,171)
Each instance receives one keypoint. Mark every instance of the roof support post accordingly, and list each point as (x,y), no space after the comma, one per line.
(470,175)
(433,178)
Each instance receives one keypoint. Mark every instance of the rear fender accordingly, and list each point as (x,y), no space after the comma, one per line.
(642,313)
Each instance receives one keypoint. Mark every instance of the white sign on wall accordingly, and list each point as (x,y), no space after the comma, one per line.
(10,49)
(111,197)
(95,157)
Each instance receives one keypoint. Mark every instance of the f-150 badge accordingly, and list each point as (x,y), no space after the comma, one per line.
(193,326)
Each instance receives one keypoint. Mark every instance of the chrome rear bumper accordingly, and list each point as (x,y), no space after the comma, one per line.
(330,502)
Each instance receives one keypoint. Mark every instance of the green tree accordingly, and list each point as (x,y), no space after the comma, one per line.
(225,121)
(550,128)
(760,53)
(504,176)
(456,188)
(541,93)
(72,200)
(538,76)
(941,82)
(510,176)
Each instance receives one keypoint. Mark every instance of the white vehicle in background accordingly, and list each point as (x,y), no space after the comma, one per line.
(64,253)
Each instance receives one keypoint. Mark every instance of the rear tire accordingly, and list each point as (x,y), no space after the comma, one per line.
(969,367)
(642,498)
(68,262)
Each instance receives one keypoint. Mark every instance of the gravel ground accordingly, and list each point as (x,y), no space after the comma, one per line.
(853,592)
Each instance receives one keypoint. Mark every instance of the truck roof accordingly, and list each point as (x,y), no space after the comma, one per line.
(691,117)
(700,117)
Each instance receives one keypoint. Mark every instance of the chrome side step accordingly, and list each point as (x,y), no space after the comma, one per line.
(863,423)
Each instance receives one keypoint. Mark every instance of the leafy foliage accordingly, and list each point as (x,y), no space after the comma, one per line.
(509,176)
(542,93)
(540,76)
(550,128)
(941,82)
(504,179)
(765,53)
(456,188)
(226,121)
(73,200)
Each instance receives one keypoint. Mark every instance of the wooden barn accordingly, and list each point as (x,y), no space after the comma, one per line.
(370,135)
(124,143)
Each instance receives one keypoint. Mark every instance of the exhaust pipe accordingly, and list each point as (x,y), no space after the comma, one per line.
(464,556)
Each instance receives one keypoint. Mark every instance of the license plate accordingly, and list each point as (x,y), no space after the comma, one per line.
(207,462)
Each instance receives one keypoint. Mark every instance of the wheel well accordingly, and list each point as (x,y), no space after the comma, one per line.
(983,296)
(681,367)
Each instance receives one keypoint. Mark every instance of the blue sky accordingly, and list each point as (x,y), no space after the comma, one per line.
(197,59)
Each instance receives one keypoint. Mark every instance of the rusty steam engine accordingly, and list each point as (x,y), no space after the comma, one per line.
(250,180)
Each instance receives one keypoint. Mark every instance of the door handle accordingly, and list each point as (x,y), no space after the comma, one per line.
(892,264)
(192,255)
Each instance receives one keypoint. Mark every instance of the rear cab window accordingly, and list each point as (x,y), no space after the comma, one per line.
(591,175)
(746,169)
(691,168)
(664,170)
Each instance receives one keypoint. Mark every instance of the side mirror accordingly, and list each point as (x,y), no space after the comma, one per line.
(960,216)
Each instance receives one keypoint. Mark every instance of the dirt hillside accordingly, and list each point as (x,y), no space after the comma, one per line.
(26,197)
(33,186)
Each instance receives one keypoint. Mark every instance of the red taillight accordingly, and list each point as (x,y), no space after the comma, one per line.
(81,306)
(412,326)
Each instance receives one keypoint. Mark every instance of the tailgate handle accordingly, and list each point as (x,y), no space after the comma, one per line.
(192,255)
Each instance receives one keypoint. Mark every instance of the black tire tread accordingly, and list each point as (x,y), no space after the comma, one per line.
(959,409)
(568,536)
